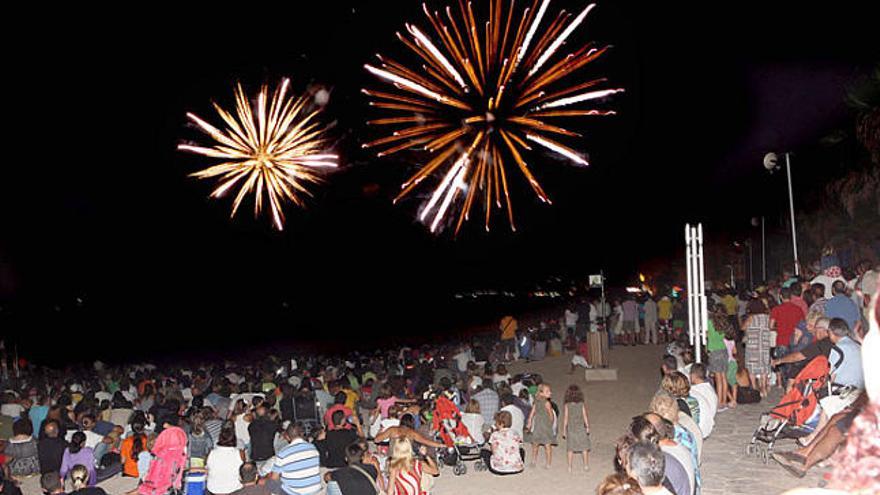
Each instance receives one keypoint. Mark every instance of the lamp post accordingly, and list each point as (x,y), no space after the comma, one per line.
(770,163)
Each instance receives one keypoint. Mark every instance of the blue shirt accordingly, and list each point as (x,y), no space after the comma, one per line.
(844,308)
(850,370)
(298,464)
(37,415)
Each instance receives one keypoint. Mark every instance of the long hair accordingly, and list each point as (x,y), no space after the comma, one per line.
(137,444)
(77,442)
(79,476)
(401,454)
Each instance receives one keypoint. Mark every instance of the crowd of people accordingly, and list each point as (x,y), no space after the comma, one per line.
(389,421)
(759,339)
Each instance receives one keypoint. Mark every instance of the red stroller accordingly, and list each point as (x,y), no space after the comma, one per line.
(795,415)
(460,446)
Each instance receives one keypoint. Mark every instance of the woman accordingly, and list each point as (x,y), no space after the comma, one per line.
(131,449)
(79,478)
(576,426)
(21,450)
(223,463)
(678,386)
(199,441)
(718,357)
(406,472)
(505,453)
(541,425)
(473,420)
(757,355)
(78,454)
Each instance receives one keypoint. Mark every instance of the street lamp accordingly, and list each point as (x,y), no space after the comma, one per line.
(771,164)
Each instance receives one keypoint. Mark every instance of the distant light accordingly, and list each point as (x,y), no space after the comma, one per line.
(633,290)
(641,277)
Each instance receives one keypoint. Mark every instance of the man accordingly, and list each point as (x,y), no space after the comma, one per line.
(332,444)
(50,448)
(827,281)
(249,475)
(646,465)
(571,318)
(783,319)
(488,400)
(650,321)
(630,320)
(406,429)
(508,327)
(353,479)
(262,431)
(517,418)
(297,466)
(821,346)
(841,306)
(679,472)
(664,313)
(704,392)
(849,371)
(339,398)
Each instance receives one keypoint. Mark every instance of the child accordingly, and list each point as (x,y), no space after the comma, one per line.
(580,356)
(732,367)
(540,425)
(576,426)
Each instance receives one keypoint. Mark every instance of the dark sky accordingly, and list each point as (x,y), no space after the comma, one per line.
(107,213)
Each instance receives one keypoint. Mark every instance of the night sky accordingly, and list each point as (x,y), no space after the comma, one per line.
(107,213)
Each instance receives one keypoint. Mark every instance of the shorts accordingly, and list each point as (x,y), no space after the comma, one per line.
(628,326)
(732,368)
(718,361)
(834,404)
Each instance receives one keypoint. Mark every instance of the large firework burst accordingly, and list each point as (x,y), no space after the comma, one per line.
(272,151)
(480,98)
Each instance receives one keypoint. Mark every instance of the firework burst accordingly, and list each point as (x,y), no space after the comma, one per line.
(272,149)
(482,96)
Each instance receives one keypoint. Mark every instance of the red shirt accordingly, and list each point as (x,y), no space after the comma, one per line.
(787,315)
(328,421)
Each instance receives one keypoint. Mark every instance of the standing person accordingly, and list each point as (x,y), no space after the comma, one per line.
(757,353)
(576,426)
(730,306)
(405,471)
(540,425)
(297,466)
(262,431)
(783,319)
(664,314)
(650,320)
(571,319)
(630,317)
(508,327)
(718,356)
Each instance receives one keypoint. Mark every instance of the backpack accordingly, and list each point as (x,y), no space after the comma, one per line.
(169,461)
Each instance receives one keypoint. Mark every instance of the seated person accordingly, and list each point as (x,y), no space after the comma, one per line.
(505,454)
(360,477)
(406,429)
(339,405)
(332,443)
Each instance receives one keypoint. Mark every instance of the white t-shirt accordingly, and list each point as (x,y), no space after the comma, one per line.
(474,424)
(518,420)
(99,396)
(223,464)
(241,431)
(828,282)
(708,401)
(571,318)
(12,410)
(92,438)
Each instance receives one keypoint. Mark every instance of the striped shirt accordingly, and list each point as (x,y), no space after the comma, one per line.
(298,465)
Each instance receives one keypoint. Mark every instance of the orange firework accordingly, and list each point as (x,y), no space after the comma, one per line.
(273,149)
(483,93)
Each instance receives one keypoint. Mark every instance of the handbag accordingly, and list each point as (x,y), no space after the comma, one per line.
(372,481)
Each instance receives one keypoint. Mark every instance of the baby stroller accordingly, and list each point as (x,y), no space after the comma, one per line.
(166,468)
(796,414)
(460,446)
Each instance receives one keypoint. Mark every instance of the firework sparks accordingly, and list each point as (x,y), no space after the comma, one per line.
(480,94)
(271,152)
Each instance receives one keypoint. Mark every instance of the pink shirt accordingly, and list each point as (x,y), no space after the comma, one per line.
(385,405)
